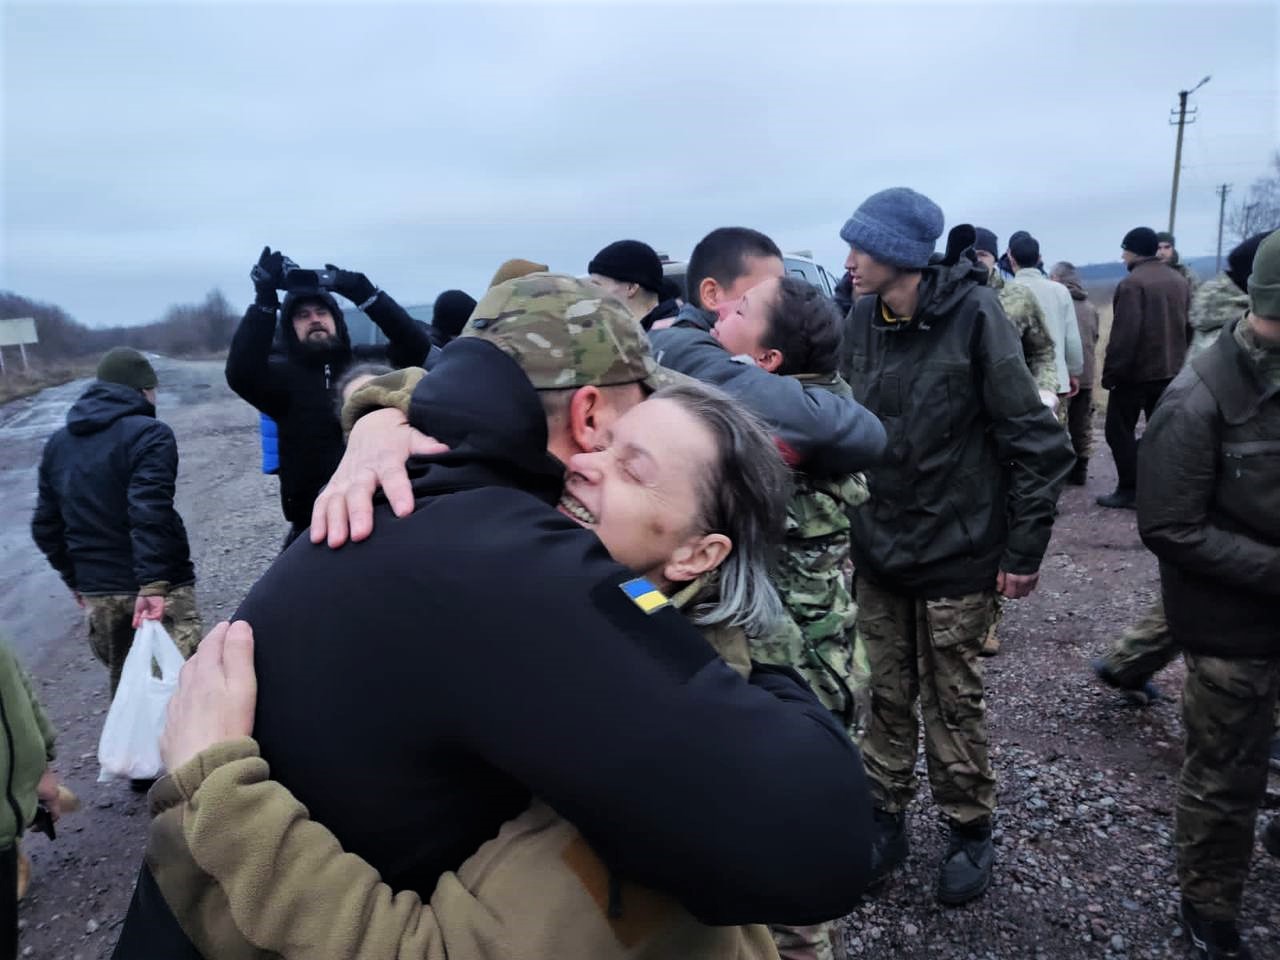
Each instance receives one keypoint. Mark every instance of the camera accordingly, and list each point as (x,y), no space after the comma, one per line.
(296,279)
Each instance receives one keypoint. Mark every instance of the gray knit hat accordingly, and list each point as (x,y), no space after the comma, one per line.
(127,367)
(896,226)
(1264,282)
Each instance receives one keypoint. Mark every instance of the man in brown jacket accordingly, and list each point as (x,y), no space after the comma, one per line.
(1149,336)
(1080,411)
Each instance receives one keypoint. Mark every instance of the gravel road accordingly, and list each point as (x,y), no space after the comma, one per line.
(1085,860)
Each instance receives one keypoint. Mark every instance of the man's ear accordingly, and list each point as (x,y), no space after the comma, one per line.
(696,557)
(709,293)
(770,360)
(584,425)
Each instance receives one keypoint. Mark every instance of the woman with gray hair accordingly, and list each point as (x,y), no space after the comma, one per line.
(689,492)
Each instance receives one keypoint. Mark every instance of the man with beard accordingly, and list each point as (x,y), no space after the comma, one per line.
(295,388)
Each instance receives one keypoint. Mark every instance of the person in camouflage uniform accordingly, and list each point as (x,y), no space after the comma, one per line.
(787,327)
(1166,250)
(1216,532)
(961,508)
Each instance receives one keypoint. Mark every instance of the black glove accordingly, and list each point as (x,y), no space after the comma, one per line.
(354,286)
(268,276)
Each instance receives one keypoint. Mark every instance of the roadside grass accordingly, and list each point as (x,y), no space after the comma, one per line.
(16,383)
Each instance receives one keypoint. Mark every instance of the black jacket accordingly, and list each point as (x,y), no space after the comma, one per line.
(974,462)
(104,514)
(296,388)
(481,650)
(1209,503)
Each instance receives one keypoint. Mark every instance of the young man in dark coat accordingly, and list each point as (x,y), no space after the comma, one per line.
(1209,509)
(961,509)
(105,517)
(296,388)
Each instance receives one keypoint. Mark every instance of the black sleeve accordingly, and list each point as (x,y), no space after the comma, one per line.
(48,530)
(249,363)
(155,529)
(746,802)
(408,341)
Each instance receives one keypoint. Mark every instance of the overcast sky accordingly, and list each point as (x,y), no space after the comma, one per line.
(149,151)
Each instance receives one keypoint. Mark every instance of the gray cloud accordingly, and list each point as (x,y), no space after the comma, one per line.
(151,150)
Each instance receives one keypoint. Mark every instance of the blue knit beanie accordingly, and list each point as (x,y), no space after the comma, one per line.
(896,226)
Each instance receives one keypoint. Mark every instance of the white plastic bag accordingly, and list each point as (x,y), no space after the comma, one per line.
(130,742)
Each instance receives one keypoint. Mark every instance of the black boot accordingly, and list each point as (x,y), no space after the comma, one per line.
(1213,939)
(1141,693)
(1271,837)
(966,868)
(889,845)
(1120,500)
(1079,473)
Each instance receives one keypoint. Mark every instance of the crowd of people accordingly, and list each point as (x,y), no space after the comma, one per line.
(662,584)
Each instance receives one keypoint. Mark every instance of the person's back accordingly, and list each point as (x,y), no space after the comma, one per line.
(1216,303)
(1149,325)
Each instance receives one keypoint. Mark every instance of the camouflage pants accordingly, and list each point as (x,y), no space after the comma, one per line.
(110,620)
(927,650)
(1227,708)
(820,941)
(1144,649)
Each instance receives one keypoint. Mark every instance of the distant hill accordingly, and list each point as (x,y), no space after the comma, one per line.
(1103,273)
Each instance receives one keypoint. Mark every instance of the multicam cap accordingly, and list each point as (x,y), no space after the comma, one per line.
(566,333)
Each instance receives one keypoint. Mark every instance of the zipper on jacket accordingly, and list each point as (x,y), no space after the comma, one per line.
(327,385)
(19,826)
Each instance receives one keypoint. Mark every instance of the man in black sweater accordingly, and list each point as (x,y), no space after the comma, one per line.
(295,388)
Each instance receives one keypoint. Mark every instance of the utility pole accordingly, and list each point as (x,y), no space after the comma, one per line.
(1223,190)
(1182,121)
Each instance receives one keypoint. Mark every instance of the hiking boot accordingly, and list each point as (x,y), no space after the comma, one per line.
(1142,694)
(141,785)
(1119,500)
(1271,837)
(889,845)
(1213,939)
(966,868)
(1079,473)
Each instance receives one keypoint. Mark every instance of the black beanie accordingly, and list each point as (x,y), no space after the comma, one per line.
(1025,249)
(986,241)
(1142,241)
(1240,260)
(451,312)
(629,261)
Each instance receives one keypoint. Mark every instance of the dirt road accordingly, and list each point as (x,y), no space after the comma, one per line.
(1085,862)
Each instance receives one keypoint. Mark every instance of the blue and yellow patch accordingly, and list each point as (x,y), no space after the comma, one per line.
(644,594)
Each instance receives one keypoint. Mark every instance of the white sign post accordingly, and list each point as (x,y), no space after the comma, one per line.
(17,333)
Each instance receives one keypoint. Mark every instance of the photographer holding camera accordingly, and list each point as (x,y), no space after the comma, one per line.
(295,388)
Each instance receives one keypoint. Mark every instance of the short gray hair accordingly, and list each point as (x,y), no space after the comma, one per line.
(744,497)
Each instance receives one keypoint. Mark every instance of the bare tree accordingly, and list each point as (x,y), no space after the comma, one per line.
(1259,208)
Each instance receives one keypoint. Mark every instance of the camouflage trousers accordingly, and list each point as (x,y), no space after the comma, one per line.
(1144,649)
(820,941)
(110,620)
(927,650)
(1227,710)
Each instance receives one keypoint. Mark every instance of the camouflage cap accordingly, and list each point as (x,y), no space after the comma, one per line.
(566,333)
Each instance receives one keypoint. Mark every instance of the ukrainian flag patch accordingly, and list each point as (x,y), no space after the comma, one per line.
(644,594)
